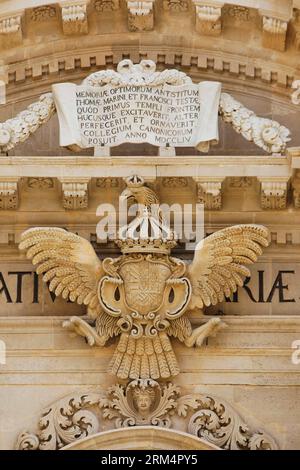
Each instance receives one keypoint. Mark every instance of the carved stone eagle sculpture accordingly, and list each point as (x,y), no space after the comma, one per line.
(144,296)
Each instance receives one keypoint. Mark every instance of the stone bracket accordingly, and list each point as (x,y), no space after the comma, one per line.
(296,189)
(208,17)
(74,193)
(74,16)
(209,192)
(274,30)
(11,30)
(9,195)
(273,193)
(140,15)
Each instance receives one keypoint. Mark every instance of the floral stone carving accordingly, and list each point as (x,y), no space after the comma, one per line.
(139,403)
(142,402)
(143,295)
(265,133)
(63,422)
(18,129)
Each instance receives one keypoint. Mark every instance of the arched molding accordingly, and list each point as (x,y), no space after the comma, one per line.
(141,438)
(269,79)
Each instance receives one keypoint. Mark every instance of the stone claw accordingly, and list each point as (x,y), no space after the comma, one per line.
(210,328)
(82,328)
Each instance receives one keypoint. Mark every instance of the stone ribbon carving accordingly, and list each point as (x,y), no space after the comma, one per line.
(143,295)
(265,133)
(139,403)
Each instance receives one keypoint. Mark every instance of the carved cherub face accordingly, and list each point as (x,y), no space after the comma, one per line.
(143,400)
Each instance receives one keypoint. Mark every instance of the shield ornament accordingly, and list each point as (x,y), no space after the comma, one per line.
(144,284)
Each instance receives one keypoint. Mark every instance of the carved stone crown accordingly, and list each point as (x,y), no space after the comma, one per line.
(135,181)
(146,234)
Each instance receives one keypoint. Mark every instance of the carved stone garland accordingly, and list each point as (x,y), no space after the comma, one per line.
(18,129)
(265,133)
(143,402)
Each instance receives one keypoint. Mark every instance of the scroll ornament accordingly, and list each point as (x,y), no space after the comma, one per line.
(295,97)
(140,403)
(265,133)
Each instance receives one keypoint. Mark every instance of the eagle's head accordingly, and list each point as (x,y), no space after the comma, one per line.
(137,190)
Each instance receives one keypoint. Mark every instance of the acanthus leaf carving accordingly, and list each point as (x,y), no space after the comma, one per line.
(43,13)
(143,402)
(237,12)
(70,419)
(217,422)
(106,5)
(107,182)
(40,183)
(172,182)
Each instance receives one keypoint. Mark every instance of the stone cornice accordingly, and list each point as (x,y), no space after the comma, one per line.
(195,166)
(194,62)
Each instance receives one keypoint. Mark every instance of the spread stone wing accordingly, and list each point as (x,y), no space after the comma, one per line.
(218,264)
(68,262)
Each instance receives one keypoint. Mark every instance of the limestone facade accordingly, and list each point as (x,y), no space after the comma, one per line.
(248,367)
